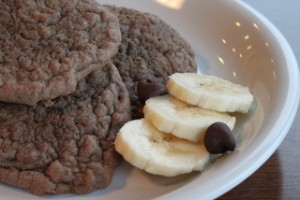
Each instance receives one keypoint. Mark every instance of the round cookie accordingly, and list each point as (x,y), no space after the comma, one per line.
(46,47)
(67,147)
(150,49)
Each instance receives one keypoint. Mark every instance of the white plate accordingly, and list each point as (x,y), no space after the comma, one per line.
(235,42)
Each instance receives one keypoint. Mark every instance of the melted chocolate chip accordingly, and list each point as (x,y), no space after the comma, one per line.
(147,88)
(219,138)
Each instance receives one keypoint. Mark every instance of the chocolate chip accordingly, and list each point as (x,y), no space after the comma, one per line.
(219,138)
(147,88)
(139,113)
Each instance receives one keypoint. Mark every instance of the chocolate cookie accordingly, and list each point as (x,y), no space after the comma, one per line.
(46,47)
(150,49)
(69,146)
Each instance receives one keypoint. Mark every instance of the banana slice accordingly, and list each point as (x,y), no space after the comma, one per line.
(158,153)
(210,92)
(178,118)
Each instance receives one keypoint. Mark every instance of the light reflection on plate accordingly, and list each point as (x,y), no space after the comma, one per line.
(173,4)
(233,41)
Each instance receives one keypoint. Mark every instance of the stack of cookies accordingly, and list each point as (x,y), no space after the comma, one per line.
(68,76)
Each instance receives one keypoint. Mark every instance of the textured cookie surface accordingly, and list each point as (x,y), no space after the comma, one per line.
(150,49)
(46,47)
(67,147)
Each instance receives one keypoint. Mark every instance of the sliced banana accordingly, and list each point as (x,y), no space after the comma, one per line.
(158,153)
(178,118)
(210,92)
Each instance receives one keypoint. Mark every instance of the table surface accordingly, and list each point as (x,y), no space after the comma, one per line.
(279,177)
